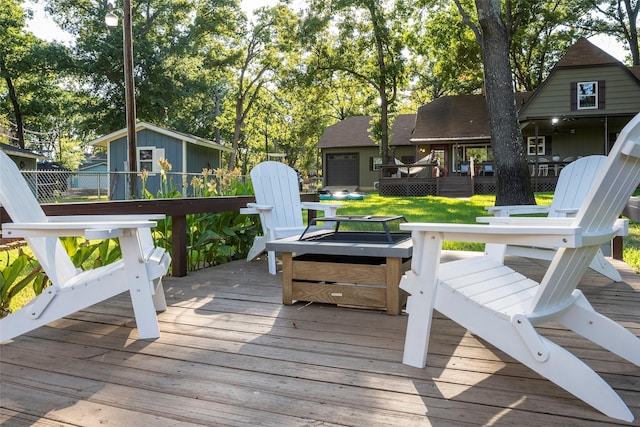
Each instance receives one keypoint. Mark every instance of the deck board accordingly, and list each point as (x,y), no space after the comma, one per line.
(231,354)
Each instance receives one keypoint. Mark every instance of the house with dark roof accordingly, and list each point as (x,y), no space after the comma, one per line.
(351,158)
(578,110)
(187,154)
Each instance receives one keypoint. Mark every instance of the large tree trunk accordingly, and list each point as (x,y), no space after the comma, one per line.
(513,181)
(17,113)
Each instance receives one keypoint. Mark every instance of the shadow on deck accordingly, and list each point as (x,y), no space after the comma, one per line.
(231,354)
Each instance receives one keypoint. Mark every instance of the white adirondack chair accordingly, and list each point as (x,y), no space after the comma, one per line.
(503,307)
(139,271)
(278,204)
(574,183)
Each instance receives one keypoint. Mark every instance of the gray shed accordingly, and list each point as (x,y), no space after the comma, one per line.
(187,154)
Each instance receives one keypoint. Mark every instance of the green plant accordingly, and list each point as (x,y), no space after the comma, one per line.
(24,275)
(23,271)
(213,238)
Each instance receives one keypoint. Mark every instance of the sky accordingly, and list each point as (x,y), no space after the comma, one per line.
(44,27)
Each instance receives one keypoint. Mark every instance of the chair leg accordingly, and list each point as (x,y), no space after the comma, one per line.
(140,289)
(604,267)
(561,367)
(259,246)
(271,256)
(159,300)
(584,320)
(420,309)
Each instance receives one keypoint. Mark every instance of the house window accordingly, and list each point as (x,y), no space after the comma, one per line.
(375,163)
(148,158)
(535,145)
(587,95)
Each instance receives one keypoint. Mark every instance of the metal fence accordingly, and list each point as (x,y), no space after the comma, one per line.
(54,186)
(70,186)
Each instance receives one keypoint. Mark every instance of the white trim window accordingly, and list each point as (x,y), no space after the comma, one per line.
(587,95)
(535,146)
(148,158)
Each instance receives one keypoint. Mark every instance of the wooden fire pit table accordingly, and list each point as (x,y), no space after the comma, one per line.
(359,265)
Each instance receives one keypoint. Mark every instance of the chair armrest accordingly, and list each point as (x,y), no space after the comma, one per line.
(319,206)
(90,230)
(517,210)
(622,227)
(105,218)
(329,209)
(550,235)
(526,221)
(254,208)
(567,212)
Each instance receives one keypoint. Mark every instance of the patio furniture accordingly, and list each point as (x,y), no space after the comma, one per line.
(356,262)
(139,271)
(427,162)
(278,203)
(465,168)
(573,185)
(543,167)
(503,306)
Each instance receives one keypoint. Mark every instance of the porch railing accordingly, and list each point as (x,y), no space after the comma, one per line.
(178,209)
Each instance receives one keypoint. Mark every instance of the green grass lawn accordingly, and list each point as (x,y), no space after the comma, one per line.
(464,211)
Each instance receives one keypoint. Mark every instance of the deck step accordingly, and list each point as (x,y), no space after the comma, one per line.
(455,186)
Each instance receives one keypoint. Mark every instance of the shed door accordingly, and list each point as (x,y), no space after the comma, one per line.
(342,169)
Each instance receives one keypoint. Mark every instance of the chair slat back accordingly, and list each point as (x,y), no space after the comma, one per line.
(618,179)
(574,183)
(276,184)
(21,205)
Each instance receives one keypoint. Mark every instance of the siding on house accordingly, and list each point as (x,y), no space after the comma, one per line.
(622,93)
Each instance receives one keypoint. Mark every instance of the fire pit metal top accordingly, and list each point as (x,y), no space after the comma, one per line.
(356,229)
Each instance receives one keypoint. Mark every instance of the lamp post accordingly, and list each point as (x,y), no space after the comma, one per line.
(111,20)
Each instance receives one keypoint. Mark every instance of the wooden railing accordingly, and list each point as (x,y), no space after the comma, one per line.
(177,209)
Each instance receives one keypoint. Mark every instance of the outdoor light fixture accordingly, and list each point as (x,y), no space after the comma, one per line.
(111,20)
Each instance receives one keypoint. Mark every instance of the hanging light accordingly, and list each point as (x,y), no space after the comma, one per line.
(111,19)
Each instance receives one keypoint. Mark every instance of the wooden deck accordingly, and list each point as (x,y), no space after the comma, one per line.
(231,354)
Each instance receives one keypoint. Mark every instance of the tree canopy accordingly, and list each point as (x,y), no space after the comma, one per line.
(274,80)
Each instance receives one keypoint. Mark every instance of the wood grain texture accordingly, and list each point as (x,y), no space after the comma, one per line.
(230,354)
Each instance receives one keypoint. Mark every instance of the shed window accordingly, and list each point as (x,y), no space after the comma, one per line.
(148,158)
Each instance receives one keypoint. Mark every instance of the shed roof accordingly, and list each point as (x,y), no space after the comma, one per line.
(16,151)
(104,141)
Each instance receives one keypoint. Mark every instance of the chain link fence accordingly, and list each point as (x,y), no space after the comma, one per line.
(69,186)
